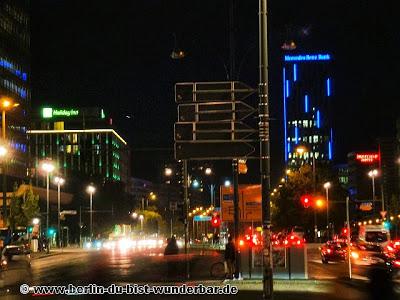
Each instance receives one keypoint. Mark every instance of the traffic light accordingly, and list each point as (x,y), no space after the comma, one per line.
(51,231)
(306,200)
(215,221)
(30,229)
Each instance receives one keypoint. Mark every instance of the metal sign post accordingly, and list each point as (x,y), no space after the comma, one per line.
(186,212)
(348,236)
(265,151)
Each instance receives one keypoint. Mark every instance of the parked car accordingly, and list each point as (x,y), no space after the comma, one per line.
(15,265)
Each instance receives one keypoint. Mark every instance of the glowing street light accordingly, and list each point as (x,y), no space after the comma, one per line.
(47,167)
(168,172)
(372,174)
(134,215)
(227,183)
(327,186)
(91,189)
(59,181)
(141,218)
(3,151)
(208,171)
(35,221)
(6,104)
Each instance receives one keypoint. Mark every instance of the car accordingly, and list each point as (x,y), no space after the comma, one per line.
(333,251)
(298,231)
(15,265)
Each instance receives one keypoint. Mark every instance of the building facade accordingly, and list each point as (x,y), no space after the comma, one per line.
(307,100)
(365,191)
(15,80)
(80,140)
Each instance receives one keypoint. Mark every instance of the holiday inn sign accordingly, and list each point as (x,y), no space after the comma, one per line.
(49,112)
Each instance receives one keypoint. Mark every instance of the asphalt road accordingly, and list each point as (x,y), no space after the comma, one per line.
(105,267)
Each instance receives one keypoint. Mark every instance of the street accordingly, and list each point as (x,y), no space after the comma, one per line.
(105,267)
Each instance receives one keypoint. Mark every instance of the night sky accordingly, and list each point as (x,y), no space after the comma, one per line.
(116,54)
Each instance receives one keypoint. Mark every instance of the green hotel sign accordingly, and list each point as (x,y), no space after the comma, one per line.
(49,112)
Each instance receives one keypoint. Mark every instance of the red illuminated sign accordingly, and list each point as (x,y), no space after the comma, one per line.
(367,158)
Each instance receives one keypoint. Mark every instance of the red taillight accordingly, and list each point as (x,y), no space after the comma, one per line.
(241,243)
(391,249)
(396,263)
(292,237)
(329,250)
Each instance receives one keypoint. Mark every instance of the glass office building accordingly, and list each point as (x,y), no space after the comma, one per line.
(307,101)
(15,79)
(80,140)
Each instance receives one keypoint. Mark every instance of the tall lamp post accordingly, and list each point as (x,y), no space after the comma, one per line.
(3,153)
(6,104)
(47,167)
(59,181)
(327,186)
(141,217)
(372,174)
(91,189)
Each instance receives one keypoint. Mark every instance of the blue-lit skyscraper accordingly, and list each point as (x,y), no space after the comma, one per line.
(307,104)
(15,81)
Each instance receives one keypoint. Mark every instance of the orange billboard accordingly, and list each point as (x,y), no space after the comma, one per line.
(249,203)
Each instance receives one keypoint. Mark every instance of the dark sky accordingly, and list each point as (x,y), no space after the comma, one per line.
(116,54)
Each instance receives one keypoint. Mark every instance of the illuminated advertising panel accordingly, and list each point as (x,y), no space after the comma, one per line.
(367,158)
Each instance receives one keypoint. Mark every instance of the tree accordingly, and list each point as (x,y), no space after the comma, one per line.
(24,206)
(287,209)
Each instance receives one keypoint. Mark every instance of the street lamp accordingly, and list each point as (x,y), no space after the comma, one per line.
(91,189)
(168,172)
(372,174)
(227,183)
(208,171)
(59,181)
(327,186)
(3,153)
(47,167)
(35,221)
(141,217)
(6,104)
(134,215)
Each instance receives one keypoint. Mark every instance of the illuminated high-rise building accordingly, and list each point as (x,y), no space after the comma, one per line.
(307,104)
(14,80)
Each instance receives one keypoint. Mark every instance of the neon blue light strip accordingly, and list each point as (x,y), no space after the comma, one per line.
(296,135)
(328,87)
(288,147)
(294,72)
(331,145)
(308,57)
(306,103)
(318,119)
(284,114)
(287,89)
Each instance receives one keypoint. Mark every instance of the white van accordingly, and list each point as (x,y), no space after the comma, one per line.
(376,235)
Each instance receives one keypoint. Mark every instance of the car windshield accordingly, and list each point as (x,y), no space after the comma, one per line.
(13,251)
(375,237)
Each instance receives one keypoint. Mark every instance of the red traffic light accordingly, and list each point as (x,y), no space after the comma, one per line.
(215,221)
(306,200)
